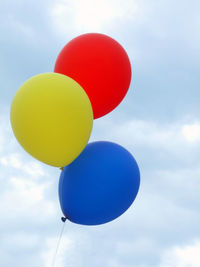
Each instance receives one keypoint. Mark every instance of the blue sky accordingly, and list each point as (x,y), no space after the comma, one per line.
(158,122)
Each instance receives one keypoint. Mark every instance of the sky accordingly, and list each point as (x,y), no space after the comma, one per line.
(158,122)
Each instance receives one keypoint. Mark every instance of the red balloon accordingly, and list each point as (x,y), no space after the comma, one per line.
(101,66)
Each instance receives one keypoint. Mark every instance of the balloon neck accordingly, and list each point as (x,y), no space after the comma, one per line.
(61,168)
(63,219)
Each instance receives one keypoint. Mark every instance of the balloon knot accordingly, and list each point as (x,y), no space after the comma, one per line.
(61,168)
(63,219)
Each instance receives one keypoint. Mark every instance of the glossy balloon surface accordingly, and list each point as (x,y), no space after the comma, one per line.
(101,66)
(51,117)
(99,185)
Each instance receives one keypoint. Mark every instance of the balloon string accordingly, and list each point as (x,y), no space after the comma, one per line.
(58,244)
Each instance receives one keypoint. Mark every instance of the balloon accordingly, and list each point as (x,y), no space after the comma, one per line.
(101,66)
(51,117)
(99,185)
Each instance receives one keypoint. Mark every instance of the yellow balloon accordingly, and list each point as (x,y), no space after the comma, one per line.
(52,118)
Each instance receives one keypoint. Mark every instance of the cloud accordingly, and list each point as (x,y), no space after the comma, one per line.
(165,211)
(182,256)
(1,141)
(172,139)
(167,203)
(21,241)
(88,15)
(25,198)
(158,122)
(65,247)
(74,249)
(18,248)
(15,161)
(191,132)
(29,203)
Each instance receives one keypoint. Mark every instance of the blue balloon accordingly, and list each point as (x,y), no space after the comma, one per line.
(99,185)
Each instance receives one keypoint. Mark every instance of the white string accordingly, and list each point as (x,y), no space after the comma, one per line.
(58,244)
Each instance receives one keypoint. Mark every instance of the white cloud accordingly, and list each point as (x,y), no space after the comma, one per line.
(25,182)
(15,160)
(12,160)
(13,156)
(116,263)
(191,132)
(24,196)
(166,211)
(27,200)
(75,246)
(27,190)
(21,241)
(90,15)
(182,256)
(181,185)
(1,141)
(3,131)
(126,248)
(174,138)
(65,247)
